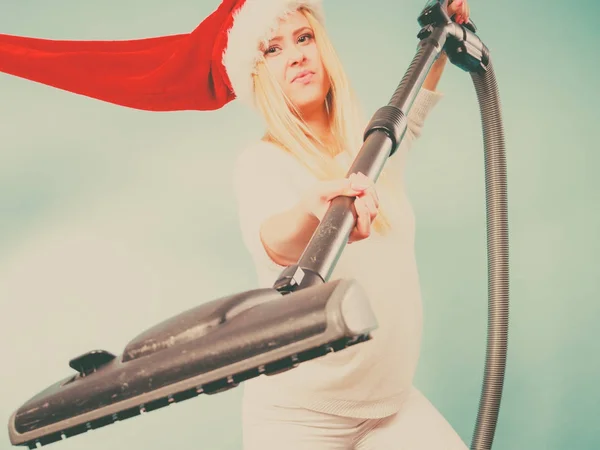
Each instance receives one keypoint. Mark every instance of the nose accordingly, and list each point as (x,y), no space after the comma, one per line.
(295,56)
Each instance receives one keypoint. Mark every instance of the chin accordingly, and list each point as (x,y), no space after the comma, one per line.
(310,101)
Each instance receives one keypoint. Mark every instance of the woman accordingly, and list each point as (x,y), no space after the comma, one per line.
(362,397)
(275,55)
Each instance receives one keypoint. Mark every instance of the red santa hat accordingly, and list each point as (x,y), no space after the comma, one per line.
(201,70)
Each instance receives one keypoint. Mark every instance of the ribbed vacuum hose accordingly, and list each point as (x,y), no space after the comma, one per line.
(497,248)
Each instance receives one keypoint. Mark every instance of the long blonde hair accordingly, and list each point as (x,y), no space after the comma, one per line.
(287,130)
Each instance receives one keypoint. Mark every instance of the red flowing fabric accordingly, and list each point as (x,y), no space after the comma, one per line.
(166,73)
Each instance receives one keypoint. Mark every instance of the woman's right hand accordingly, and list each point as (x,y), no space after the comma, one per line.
(317,200)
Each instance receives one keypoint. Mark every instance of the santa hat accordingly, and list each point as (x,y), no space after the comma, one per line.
(201,70)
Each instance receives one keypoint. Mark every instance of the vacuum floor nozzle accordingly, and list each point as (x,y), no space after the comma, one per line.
(208,349)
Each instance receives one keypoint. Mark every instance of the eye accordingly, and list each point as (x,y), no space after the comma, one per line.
(271,50)
(305,38)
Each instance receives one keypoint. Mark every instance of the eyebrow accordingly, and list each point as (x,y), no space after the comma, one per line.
(298,31)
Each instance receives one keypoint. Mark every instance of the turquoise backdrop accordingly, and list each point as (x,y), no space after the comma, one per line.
(112,220)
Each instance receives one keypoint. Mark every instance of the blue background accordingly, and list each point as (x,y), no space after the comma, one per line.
(109,217)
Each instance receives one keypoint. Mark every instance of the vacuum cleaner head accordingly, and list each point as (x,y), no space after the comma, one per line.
(208,349)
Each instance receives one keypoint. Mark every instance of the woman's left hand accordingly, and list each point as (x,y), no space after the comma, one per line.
(460,10)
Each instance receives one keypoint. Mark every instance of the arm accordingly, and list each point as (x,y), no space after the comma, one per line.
(264,195)
(286,235)
(435,73)
(276,225)
(276,221)
(425,102)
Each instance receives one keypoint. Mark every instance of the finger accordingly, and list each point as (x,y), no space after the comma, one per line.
(370,197)
(372,192)
(465,12)
(360,181)
(345,186)
(454,7)
(461,14)
(456,10)
(354,234)
(363,222)
(371,189)
(371,206)
(357,186)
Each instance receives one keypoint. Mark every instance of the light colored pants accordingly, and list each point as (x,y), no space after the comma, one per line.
(418,426)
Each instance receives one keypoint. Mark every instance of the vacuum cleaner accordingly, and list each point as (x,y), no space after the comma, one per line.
(305,314)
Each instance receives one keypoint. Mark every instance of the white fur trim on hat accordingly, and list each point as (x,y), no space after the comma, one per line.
(253,23)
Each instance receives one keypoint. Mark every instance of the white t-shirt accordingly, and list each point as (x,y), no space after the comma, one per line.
(368,380)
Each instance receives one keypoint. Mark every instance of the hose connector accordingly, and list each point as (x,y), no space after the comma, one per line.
(465,49)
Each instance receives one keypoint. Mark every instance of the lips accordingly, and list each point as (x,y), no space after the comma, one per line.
(303,77)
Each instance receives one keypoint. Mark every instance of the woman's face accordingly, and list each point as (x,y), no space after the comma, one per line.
(293,58)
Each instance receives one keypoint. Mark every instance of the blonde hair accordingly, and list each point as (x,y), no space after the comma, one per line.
(287,130)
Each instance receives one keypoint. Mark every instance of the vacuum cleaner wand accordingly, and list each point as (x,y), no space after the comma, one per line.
(226,341)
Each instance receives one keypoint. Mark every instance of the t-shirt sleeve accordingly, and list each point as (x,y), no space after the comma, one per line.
(262,188)
(422,106)
(424,103)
